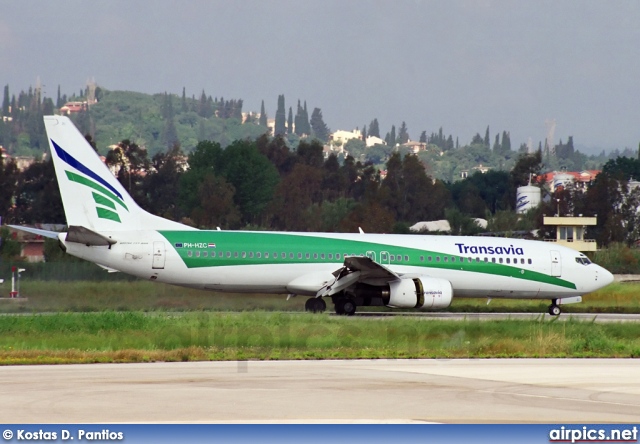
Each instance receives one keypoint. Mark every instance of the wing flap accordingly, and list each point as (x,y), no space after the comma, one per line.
(357,269)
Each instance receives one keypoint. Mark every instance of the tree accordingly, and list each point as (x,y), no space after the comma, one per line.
(129,162)
(392,136)
(487,140)
(253,177)
(280,128)
(496,145)
(5,101)
(162,184)
(37,196)
(263,116)
(506,142)
(319,128)
(374,128)
(423,137)
(216,206)
(204,159)
(403,135)
(527,167)
(290,122)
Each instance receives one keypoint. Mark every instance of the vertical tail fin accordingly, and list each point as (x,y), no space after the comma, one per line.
(91,195)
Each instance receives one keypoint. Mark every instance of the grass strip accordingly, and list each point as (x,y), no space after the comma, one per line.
(138,337)
(89,296)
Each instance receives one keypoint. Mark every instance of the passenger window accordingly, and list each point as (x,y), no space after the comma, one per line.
(399,258)
(251,254)
(421,258)
(477,259)
(453,259)
(235,254)
(338,256)
(322,256)
(446,258)
(266,255)
(508,261)
(299,255)
(244,254)
(500,260)
(429,258)
(330,256)
(493,259)
(290,255)
(406,258)
(437,258)
(228,254)
(189,253)
(392,258)
(283,255)
(205,254)
(529,261)
(220,254)
(315,255)
(307,256)
(259,255)
(197,254)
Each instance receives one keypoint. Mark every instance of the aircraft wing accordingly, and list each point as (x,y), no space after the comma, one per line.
(358,269)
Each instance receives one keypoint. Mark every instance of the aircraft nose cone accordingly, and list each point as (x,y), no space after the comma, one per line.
(605,277)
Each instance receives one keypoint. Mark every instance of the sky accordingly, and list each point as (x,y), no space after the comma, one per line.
(457,64)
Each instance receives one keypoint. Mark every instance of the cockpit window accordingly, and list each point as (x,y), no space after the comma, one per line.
(583,260)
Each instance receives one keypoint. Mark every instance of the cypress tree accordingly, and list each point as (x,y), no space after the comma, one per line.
(486,137)
(263,115)
(280,117)
(5,101)
(374,128)
(403,136)
(320,129)
(290,122)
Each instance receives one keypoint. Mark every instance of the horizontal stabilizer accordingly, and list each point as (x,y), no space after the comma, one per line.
(37,231)
(82,235)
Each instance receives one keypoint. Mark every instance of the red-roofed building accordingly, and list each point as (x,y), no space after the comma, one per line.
(558,179)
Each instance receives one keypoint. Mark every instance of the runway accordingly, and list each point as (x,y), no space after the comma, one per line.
(589,317)
(449,391)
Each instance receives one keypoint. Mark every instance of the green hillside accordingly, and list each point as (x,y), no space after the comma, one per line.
(144,118)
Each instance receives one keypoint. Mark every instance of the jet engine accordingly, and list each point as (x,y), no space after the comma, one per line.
(420,292)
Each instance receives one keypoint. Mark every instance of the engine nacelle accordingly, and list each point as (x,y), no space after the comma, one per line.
(420,292)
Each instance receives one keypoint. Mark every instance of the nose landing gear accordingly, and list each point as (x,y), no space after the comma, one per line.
(554,308)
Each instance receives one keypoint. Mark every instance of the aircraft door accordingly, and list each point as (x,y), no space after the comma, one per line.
(384,258)
(158,255)
(556,263)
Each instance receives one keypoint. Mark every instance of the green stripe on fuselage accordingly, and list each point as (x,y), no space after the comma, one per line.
(278,243)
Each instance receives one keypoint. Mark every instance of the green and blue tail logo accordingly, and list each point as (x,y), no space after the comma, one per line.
(107,198)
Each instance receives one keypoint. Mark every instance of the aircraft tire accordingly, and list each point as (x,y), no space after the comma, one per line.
(346,306)
(315,305)
(554,310)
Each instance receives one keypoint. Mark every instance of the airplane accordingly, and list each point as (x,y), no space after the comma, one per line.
(424,272)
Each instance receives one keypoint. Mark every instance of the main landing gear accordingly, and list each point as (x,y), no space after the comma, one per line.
(344,305)
(315,305)
(554,308)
